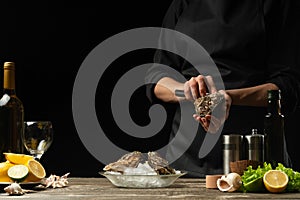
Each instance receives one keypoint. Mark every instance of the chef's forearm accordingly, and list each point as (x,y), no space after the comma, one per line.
(165,88)
(251,96)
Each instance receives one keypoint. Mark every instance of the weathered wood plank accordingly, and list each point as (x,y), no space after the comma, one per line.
(101,188)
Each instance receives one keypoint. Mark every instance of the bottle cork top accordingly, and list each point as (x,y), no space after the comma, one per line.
(9,65)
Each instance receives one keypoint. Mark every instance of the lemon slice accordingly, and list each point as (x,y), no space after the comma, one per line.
(36,171)
(18,159)
(18,172)
(275,181)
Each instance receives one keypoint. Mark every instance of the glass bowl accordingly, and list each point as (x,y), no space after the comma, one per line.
(142,181)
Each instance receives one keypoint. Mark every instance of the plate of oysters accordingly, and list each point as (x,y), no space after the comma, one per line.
(135,170)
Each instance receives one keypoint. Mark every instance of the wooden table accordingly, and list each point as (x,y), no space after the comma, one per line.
(101,188)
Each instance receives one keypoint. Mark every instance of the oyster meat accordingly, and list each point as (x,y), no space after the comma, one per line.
(205,105)
(128,160)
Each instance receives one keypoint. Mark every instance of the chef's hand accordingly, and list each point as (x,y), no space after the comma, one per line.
(212,124)
(198,87)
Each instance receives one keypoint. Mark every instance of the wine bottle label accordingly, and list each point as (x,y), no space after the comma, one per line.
(3,101)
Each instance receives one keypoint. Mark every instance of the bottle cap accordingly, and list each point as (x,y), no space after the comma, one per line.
(254,131)
(9,65)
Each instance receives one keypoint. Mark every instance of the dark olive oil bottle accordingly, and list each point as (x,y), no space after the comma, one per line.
(275,150)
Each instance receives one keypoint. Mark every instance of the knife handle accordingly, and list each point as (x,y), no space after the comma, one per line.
(179,93)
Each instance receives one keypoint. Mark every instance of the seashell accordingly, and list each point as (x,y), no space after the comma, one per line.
(55,181)
(229,183)
(14,189)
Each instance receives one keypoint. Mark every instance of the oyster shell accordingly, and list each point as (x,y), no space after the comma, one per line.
(160,165)
(205,105)
(128,160)
(133,159)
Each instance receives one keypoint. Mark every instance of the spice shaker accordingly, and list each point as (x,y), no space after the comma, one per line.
(232,150)
(255,146)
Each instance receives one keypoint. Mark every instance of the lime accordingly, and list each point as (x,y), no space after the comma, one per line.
(275,181)
(256,185)
(18,172)
(16,158)
(36,171)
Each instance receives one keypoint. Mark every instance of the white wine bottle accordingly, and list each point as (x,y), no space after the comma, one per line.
(11,115)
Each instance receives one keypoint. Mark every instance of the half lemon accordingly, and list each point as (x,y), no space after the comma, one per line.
(36,171)
(275,181)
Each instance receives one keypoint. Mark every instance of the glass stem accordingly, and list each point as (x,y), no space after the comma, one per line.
(37,157)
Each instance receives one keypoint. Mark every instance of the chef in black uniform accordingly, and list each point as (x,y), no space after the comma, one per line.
(247,41)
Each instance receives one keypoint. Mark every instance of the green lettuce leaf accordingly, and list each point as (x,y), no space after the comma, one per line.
(294,178)
(251,174)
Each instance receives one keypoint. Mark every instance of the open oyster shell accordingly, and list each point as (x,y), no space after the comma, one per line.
(128,160)
(160,165)
(206,104)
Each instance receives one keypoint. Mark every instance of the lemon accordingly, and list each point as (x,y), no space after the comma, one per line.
(36,171)
(18,159)
(18,172)
(4,166)
(256,185)
(275,181)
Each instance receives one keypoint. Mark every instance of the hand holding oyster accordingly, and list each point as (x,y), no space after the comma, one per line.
(204,107)
(206,104)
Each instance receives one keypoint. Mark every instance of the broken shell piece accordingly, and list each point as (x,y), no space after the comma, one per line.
(229,183)
(205,105)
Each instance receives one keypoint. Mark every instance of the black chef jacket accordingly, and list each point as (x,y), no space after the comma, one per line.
(248,41)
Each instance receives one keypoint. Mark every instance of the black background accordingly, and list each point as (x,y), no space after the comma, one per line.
(48,41)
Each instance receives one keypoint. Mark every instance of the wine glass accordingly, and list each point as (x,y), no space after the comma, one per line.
(37,137)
